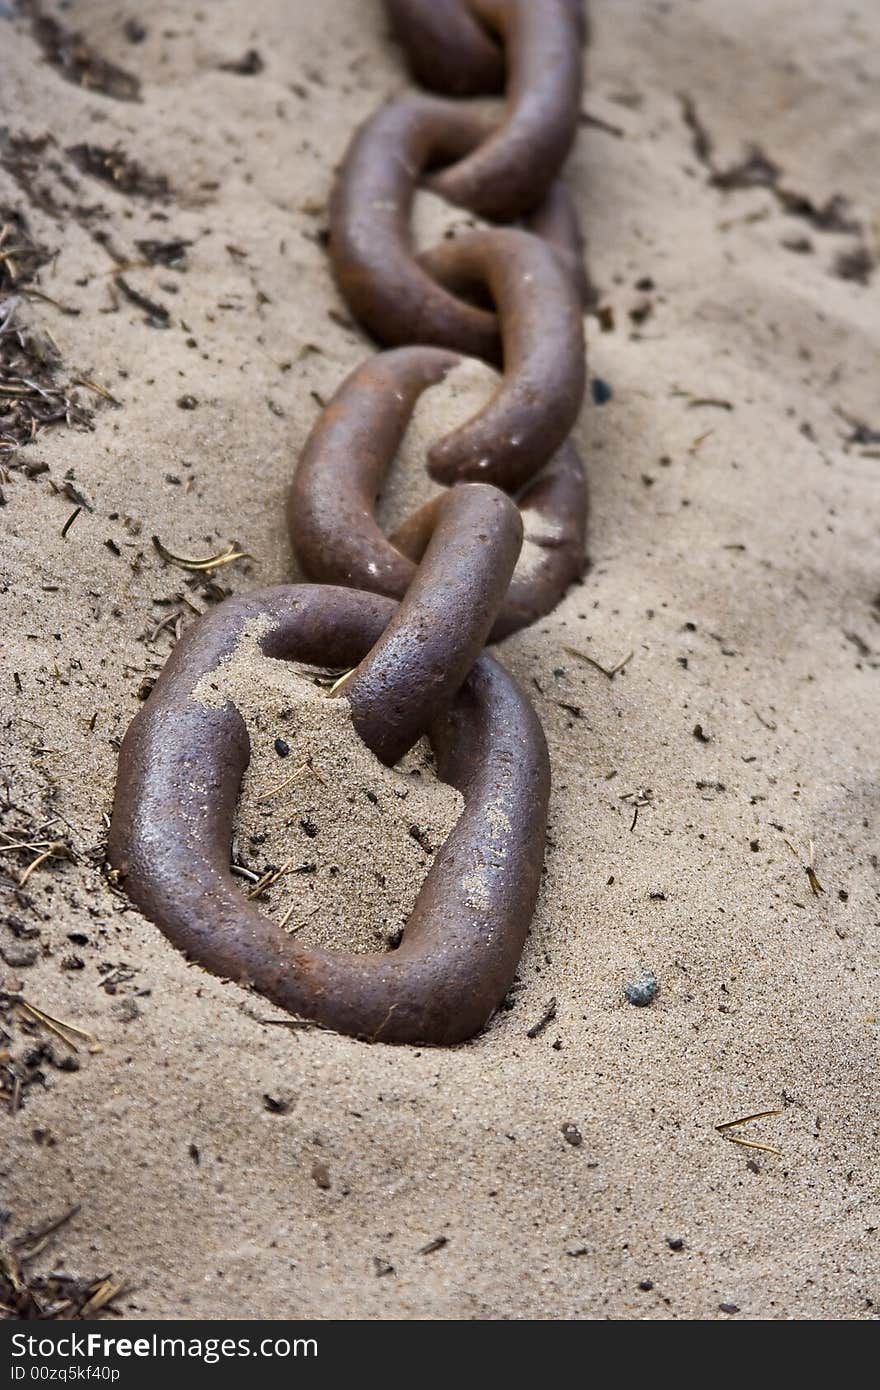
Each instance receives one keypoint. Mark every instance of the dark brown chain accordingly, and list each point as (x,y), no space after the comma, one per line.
(441,585)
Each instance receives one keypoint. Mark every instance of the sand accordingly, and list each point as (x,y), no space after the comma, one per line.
(352,838)
(733,539)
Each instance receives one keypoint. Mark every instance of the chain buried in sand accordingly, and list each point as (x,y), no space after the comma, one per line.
(172,827)
(419,605)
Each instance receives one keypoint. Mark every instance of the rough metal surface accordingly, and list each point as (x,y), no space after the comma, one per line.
(513,170)
(409,677)
(537,403)
(331,505)
(180,773)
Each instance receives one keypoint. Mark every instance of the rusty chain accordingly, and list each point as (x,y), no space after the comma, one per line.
(417,607)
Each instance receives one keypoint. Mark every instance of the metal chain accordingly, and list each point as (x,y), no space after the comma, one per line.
(418,606)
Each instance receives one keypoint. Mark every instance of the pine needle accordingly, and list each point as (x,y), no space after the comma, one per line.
(96,387)
(609,671)
(297,773)
(341,680)
(287,916)
(272,876)
(727,1125)
(104,1294)
(289,913)
(31,1238)
(67,1032)
(752,1144)
(744,1119)
(812,877)
(211,562)
(57,850)
(295,776)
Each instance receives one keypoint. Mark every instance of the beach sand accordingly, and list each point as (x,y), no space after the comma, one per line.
(227,1167)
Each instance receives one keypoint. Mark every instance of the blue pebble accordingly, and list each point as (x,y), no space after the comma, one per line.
(601,391)
(643,991)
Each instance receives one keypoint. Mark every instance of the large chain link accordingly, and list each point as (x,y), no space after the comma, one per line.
(418,606)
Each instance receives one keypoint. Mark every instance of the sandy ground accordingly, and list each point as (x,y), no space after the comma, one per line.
(225,1167)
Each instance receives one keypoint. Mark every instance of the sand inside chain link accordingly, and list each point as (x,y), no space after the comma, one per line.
(354,838)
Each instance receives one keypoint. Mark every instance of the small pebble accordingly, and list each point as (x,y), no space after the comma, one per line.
(282,748)
(675,1242)
(276,1105)
(572,1135)
(19,956)
(248,65)
(646,1285)
(321,1175)
(601,391)
(643,991)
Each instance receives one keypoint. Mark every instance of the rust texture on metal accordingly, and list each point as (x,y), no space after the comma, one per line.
(513,169)
(371,252)
(493,551)
(537,403)
(447,48)
(331,505)
(388,288)
(420,661)
(554,514)
(330,508)
(181,767)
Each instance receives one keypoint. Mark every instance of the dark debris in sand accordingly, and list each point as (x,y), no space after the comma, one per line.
(35,391)
(27,1295)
